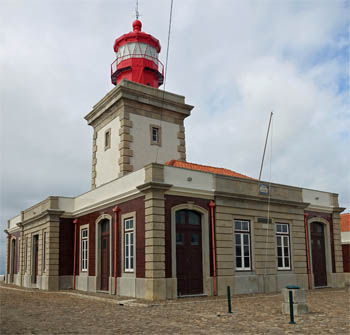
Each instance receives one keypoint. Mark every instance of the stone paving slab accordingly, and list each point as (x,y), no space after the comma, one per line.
(27,311)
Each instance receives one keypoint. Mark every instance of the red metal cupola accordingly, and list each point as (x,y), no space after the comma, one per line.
(137,58)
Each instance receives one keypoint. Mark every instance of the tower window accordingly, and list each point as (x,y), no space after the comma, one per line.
(107,139)
(155,135)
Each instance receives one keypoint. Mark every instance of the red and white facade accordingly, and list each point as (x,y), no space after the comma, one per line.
(153,225)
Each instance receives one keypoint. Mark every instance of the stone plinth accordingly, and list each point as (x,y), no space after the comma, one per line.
(299,301)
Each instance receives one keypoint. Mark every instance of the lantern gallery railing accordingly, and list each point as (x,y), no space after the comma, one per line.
(119,59)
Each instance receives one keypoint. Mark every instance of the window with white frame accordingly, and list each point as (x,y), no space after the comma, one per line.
(155,132)
(129,232)
(283,246)
(242,245)
(84,249)
(107,139)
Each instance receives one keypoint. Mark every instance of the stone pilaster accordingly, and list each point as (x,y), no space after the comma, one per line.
(224,249)
(125,152)
(155,245)
(181,148)
(154,189)
(21,258)
(51,274)
(94,160)
(338,255)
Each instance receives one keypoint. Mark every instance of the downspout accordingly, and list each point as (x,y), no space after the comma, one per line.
(116,210)
(212,206)
(307,251)
(75,250)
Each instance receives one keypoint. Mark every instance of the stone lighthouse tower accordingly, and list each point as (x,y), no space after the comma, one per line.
(136,123)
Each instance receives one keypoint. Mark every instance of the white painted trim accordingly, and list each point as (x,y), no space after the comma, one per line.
(13,221)
(123,217)
(242,233)
(251,220)
(345,237)
(185,179)
(84,272)
(205,241)
(282,234)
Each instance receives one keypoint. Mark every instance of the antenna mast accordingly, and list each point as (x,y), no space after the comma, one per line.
(137,10)
(267,137)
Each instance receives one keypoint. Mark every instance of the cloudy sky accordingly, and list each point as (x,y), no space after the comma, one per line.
(234,60)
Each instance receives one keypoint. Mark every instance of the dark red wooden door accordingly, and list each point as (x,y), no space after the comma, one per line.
(318,254)
(104,255)
(35,256)
(189,270)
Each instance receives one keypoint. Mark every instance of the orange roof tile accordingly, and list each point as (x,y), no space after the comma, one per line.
(205,168)
(345,222)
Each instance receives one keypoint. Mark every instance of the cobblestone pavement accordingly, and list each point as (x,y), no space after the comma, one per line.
(25,311)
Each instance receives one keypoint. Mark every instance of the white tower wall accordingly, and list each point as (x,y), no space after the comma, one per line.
(107,167)
(143,151)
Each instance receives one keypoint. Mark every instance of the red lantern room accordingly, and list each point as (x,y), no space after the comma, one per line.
(137,58)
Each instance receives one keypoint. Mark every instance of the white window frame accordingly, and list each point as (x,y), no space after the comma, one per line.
(84,254)
(107,138)
(282,234)
(241,232)
(129,248)
(158,139)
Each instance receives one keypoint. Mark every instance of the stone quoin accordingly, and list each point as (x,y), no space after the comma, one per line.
(155,226)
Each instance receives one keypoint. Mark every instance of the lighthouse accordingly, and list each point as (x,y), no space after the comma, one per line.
(136,124)
(137,58)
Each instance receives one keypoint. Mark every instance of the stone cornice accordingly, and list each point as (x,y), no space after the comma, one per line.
(144,95)
(273,201)
(324,209)
(153,186)
(104,204)
(47,213)
(339,209)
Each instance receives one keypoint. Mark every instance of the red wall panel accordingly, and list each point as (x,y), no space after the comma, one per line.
(346,257)
(66,245)
(135,205)
(170,202)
